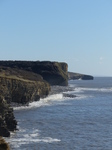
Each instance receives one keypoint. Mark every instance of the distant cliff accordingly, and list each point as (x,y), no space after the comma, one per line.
(76,76)
(54,73)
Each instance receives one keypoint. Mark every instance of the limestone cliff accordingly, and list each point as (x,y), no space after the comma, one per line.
(21,87)
(53,72)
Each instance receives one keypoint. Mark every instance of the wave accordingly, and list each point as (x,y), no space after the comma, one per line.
(98,89)
(43,102)
(82,89)
(76,93)
(17,142)
(32,137)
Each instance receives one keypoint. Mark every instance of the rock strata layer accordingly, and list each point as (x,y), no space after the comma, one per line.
(20,91)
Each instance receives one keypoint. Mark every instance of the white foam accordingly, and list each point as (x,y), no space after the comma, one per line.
(43,102)
(25,137)
(54,97)
(96,89)
(82,89)
(28,139)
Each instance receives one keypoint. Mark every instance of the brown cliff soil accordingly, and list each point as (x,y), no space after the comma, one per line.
(3,144)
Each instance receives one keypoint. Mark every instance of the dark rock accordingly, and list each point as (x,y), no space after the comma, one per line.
(7,119)
(10,121)
(4,132)
(69,95)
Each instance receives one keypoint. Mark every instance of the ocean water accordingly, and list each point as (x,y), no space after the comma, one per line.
(83,122)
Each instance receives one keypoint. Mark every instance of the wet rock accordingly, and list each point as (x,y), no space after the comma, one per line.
(69,95)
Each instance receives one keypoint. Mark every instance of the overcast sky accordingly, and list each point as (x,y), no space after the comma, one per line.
(78,32)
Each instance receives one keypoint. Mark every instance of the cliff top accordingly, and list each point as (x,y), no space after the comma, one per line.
(18,74)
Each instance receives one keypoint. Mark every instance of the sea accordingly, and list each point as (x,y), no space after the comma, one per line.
(76,117)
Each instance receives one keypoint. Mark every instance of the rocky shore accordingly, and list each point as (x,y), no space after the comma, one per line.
(22,82)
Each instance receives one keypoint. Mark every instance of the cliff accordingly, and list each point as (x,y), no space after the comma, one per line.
(21,86)
(54,73)
(24,82)
(76,76)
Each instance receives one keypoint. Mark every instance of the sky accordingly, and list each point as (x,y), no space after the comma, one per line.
(78,32)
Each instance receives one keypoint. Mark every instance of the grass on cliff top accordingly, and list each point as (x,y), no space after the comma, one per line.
(15,77)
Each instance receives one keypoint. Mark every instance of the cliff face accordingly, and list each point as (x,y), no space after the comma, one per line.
(76,76)
(53,72)
(22,91)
